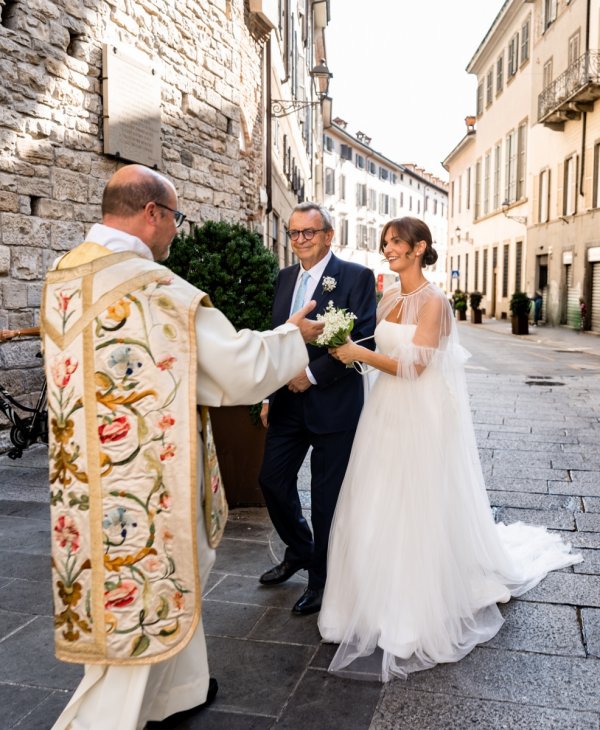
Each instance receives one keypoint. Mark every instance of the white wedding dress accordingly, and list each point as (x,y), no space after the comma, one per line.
(416,563)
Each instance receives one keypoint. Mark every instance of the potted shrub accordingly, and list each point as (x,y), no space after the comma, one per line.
(519,310)
(231,264)
(475,298)
(459,299)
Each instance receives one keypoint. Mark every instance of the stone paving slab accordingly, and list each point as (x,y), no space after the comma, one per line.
(240,589)
(532,501)
(235,620)
(13,697)
(588,522)
(27,658)
(405,709)
(323,701)
(255,676)
(519,677)
(592,504)
(40,716)
(531,486)
(590,618)
(279,624)
(25,595)
(576,487)
(591,562)
(213,719)
(574,589)
(557,519)
(540,627)
(24,565)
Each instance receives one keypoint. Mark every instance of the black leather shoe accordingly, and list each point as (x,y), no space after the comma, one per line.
(280,573)
(174,721)
(309,602)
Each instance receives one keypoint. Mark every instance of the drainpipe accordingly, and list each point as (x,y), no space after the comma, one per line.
(268,131)
(584,120)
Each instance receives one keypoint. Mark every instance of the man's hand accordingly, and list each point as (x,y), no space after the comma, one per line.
(309,328)
(300,383)
(264,415)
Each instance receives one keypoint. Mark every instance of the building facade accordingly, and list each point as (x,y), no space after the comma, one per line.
(363,189)
(524,181)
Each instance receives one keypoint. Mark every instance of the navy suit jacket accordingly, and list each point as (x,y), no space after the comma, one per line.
(334,404)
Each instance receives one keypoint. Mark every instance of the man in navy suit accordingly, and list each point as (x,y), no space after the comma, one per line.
(320,407)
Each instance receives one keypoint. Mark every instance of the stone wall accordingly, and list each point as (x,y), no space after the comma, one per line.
(52,166)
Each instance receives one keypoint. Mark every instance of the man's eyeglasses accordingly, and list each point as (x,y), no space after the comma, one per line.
(308,233)
(179,216)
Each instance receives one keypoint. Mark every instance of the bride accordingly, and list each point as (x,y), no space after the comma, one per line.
(416,563)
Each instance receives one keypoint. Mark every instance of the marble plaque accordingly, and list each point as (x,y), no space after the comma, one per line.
(131,95)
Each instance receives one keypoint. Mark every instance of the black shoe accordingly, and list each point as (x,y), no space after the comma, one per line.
(280,573)
(309,602)
(173,721)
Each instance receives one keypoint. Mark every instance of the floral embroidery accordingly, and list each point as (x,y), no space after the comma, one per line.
(63,303)
(166,363)
(165,422)
(67,534)
(119,311)
(114,430)
(62,368)
(121,596)
(168,452)
(329,283)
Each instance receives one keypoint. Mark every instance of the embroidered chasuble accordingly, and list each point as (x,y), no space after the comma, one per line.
(120,360)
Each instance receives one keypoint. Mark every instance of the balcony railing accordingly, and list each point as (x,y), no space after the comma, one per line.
(566,96)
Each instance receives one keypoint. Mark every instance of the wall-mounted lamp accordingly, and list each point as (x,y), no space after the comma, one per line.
(321,77)
(457,232)
(519,218)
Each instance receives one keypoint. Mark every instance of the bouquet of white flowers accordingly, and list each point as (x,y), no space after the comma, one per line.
(338,325)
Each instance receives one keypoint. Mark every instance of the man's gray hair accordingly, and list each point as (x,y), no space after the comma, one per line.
(325,217)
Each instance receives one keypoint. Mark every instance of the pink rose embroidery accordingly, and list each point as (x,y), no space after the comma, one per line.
(178,600)
(165,500)
(114,431)
(63,301)
(121,596)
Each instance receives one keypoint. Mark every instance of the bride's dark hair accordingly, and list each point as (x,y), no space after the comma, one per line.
(411,230)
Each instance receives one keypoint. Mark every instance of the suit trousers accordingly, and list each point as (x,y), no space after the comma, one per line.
(287,443)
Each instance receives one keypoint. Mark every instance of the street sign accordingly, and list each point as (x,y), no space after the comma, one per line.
(455,273)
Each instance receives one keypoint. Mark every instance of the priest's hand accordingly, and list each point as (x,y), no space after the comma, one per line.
(309,328)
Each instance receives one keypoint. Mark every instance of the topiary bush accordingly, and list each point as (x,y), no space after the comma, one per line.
(230,263)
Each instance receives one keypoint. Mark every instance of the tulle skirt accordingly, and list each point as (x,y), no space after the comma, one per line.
(416,563)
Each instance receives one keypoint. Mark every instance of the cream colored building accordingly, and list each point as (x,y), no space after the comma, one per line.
(363,189)
(490,188)
(525,180)
(564,230)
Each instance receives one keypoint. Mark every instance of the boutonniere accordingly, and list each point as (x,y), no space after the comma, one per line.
(329,283)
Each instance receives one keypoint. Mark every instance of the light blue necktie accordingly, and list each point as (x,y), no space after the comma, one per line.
(301,293)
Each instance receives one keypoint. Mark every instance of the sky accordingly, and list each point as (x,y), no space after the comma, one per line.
(399,72)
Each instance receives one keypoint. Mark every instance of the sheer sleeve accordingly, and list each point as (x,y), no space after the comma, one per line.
(434,343)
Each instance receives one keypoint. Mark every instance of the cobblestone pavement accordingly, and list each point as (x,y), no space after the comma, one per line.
(539,449)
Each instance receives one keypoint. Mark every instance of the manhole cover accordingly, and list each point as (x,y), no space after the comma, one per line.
(572,351)
(543,382)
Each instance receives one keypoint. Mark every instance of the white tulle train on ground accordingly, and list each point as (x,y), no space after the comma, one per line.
(416,562)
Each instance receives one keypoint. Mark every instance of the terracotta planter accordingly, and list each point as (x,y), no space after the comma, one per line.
(240,446)
(476,316)
(520,324)
(461,314)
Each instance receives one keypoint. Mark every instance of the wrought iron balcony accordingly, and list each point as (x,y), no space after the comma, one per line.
(573,92)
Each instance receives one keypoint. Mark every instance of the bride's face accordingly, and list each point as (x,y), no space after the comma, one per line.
(399,254)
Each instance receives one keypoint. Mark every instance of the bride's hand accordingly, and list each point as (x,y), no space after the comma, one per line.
(347,353)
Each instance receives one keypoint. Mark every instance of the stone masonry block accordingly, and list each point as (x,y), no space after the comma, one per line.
(53,209)
(4,259)
(19,230)
(66,235)
(9,202)
(26,262)
(14,294)
(69,185)
(34,294)
(591,630)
